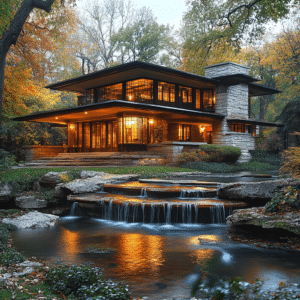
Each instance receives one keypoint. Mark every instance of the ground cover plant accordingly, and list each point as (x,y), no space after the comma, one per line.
(291,162)
(261,161)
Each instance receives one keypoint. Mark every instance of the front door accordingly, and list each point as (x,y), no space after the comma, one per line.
(104,136)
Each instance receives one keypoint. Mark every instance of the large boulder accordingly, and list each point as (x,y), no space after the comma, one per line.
(30,202)
(33,219)
(95,183)
(256,221)
(253,192)
(50,179)
(5,193)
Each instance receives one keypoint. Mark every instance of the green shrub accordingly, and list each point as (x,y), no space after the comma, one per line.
(289,195)
(272,143)
(6,160)
(266,157)
(291,162)
(216,153)
(83,282)
(10,257)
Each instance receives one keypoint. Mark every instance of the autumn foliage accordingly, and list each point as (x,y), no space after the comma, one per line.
(291,162)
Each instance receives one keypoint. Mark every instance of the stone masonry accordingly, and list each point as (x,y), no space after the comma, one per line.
(232,101)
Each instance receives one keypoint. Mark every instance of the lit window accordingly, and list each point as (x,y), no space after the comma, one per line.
(111,92)
(238,127)
(184,133)
(140,90)
(166,92)
(185,94)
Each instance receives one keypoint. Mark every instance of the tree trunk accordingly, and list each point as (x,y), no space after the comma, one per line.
(11,35)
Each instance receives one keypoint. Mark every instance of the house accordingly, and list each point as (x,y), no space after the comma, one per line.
(140,106)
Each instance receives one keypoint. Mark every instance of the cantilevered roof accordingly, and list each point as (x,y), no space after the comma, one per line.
(115,108)
(254,122)
(234,79)
(131,71)
(137,70)
(261,90)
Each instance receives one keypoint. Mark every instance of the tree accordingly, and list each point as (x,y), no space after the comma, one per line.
(142,39)
(212,29)
(15,16)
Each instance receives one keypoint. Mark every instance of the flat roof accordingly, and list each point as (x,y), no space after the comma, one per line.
(130,71)
(113,108)
(255,122)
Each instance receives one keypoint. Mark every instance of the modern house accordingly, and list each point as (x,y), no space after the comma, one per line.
(144,107)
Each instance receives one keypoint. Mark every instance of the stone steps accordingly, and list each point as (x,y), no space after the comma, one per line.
(98,159)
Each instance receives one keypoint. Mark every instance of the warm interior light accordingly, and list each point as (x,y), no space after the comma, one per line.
(150,121)
(56,118)
(72,127)
(130,97)
(85,112)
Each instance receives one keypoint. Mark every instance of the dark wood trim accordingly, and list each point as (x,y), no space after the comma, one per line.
(155,91)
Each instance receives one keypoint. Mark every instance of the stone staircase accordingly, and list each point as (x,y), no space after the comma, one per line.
(99,159)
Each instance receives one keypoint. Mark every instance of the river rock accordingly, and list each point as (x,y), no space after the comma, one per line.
(5,193)
(33,219)
(255,219)
(95,183)
(29,202)
(252,191)
(50,179)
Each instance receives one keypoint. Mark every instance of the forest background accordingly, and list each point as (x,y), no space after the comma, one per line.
(68,42)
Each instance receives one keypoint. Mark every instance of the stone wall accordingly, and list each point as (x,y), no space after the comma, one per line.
(171,149)
(35,152)
(231,101)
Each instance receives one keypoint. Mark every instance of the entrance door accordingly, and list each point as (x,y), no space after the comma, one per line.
(104,136)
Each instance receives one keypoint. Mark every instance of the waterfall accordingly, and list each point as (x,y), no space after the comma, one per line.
(168,217)
(76,211)
(144,192)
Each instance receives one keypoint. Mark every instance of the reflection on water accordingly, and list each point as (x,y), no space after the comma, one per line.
(157,260)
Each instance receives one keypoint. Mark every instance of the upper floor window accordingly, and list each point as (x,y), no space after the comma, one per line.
(185,94)
(140,90)
(166,92)
(86,98)
(110,92)
(208,100)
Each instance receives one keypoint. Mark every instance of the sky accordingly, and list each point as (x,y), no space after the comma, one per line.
(166,11)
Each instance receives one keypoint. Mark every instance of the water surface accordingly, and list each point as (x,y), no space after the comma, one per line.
(157,260)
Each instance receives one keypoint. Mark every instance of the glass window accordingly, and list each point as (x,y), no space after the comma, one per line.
(208,100)
(86,97)
(166,92)
(198,99)
(111,92)
(184,133)
(238,127)
(185,94)
(140,90)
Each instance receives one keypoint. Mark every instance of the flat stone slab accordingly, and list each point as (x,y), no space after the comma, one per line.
(33,219)
(182,182)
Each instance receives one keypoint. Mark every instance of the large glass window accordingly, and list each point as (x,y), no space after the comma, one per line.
(140,90)
(166,92)
(185,94)
(111,92)
(198,99)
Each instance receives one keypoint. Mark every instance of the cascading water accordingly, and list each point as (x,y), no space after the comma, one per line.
(190,208)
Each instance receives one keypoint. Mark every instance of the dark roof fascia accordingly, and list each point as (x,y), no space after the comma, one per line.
(255,122)
(236,79)
(126,67)
(264,88)
(115,103)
